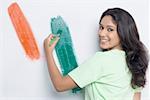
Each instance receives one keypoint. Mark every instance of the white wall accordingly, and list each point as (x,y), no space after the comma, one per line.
(24,79)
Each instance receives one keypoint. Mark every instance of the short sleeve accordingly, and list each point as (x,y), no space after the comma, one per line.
(138,89)
(87,72)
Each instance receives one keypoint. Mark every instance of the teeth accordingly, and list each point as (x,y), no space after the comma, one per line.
(104,40)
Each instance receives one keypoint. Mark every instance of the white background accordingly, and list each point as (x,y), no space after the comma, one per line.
(25,79)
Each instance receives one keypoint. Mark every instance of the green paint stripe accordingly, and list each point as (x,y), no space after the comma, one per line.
(64,47)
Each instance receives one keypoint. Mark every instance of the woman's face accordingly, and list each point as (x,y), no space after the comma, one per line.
(109,38)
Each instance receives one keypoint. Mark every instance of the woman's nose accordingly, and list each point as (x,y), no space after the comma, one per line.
(102,32)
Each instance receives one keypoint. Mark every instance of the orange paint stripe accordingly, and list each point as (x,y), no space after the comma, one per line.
(23,31)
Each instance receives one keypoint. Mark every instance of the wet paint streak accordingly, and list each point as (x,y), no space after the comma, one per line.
(64,48)
(23,31)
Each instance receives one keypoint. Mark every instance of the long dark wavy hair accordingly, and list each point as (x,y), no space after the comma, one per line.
(136,53)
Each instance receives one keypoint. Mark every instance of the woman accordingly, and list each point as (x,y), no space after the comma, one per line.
(115,73)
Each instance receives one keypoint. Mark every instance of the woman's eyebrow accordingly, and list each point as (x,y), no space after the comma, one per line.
(110,26)
(107,26)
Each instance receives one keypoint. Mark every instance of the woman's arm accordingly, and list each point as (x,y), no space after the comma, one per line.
(61,83)
(137,96)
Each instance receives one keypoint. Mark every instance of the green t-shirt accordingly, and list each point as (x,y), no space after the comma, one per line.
(105,76)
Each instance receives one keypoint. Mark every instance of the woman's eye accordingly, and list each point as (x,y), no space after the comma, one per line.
(110,30)
(101,27)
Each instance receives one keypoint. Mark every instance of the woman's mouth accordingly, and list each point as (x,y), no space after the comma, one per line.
(104,40)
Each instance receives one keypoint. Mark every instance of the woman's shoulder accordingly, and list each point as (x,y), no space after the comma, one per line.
(110,53)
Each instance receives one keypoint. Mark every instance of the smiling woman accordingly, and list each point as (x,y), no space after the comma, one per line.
(109,38)
(137,57)
(117,72)
(22,78)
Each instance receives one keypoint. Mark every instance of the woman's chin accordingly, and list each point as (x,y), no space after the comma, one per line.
(104,47)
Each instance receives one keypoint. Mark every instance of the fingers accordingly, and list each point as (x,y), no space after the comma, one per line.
(57,39)
(50,42)
(53,39)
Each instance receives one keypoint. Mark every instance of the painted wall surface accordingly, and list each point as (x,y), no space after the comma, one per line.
(24,79)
